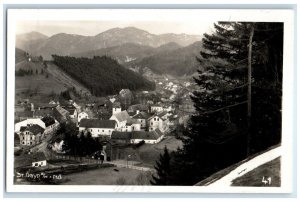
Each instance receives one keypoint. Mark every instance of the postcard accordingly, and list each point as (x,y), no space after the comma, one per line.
(150,100)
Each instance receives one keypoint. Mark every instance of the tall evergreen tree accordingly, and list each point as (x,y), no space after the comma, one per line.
(218,131)
(162,168)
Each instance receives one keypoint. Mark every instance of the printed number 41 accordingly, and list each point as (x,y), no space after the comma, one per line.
(266,180)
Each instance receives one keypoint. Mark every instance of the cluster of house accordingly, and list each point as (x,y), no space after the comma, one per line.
(139,123)
(33,125)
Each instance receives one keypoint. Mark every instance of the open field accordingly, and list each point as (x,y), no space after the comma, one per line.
(108,176)
(38,84)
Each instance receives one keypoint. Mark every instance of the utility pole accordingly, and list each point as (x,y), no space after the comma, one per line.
(249,89)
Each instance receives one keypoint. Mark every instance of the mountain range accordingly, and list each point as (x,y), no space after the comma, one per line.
(71,44)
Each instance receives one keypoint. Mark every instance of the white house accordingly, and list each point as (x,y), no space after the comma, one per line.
(82,115)
(151,137)
(31,135)
(121,118)
(38,159)
(98,127)
(159,121)
(131,125)
(135,137)
(156,108)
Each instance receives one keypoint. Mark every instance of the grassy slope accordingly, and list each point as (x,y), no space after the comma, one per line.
(254,177)
(56,82)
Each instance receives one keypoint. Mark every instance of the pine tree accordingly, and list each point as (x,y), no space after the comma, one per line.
(217,135)
(162,168)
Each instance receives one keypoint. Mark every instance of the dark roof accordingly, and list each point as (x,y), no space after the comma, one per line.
(48,120)
(153,135)
(131,113)
(96,123)
(71,111)
(161,114)
(39,156)
(23,128)
(116,135)
(141,115)
(35,129)
(60,113)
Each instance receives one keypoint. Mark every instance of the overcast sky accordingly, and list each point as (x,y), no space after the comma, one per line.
(91,28)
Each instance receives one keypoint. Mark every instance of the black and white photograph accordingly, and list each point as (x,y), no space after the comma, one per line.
(149,99)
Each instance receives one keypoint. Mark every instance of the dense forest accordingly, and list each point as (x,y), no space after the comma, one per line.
(238,102)
(102,75)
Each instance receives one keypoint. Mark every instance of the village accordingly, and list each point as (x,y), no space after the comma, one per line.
(132,127)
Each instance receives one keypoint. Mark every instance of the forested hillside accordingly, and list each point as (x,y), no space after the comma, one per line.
(179,62)
(102,75)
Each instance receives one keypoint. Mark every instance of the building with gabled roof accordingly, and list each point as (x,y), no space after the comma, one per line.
(142,117)
(135,137)
(121,118)
(125,123)
(31,135)
(50,124)
(60,114)
(82,115)
(120,137)
(38,159)
(159,120)
(98,127)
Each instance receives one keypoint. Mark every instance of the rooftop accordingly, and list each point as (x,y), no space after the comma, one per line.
(122,116)
(35,129)
(48,120)
(97,123)
(121,135)
(141,115)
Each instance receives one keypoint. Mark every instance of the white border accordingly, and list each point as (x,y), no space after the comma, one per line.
(286,16)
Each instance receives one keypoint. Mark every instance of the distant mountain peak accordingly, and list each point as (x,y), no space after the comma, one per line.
(33,35)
